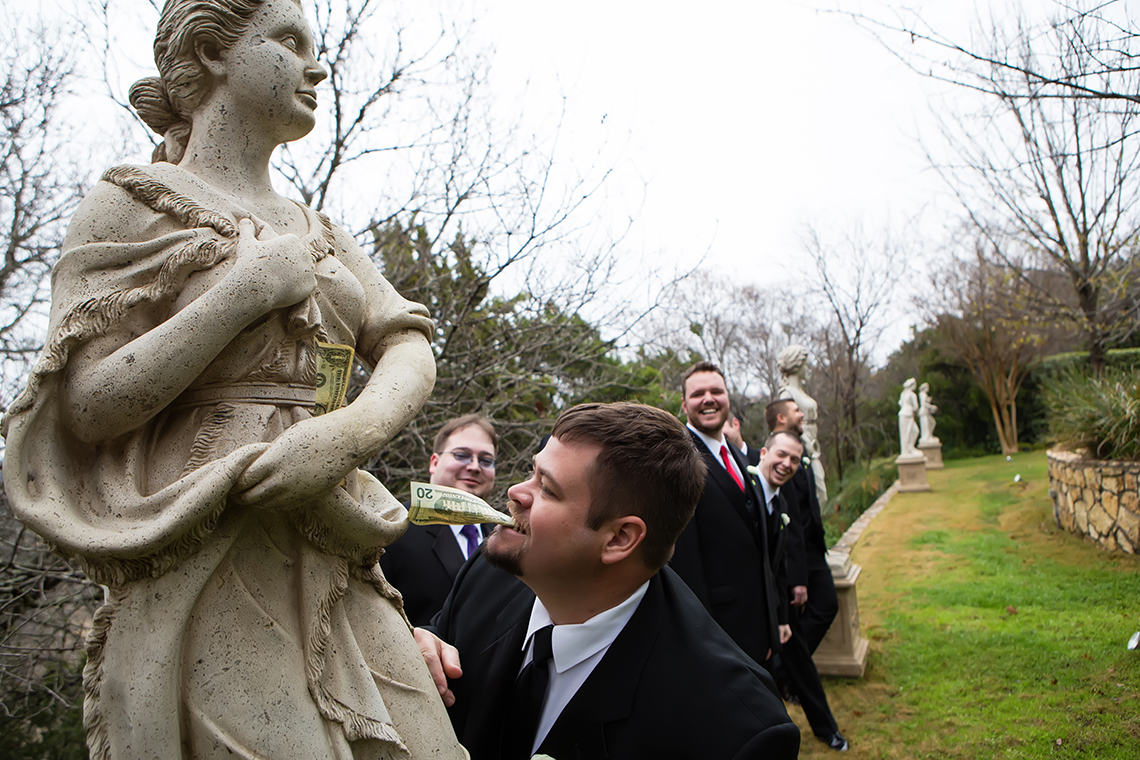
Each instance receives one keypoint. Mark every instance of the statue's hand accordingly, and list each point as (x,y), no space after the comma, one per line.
(308,459)
(277,269)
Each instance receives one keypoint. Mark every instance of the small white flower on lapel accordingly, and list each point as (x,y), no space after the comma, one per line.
(784,519)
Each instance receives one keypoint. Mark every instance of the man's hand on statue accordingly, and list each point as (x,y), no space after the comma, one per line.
(308,459)
(275,268)
(785,634)
(799,596)
(442,660)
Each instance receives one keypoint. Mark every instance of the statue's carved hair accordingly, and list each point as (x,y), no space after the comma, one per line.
(167,101)
(791,359)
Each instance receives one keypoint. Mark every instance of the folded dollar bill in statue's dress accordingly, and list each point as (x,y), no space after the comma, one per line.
(440,505)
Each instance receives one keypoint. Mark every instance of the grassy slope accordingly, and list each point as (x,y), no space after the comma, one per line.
(993,634)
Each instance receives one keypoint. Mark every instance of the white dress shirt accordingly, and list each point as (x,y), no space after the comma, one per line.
(713,446)
(577,651)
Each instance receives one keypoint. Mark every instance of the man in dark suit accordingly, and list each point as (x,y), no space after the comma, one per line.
(813,588)
(809,585)
(576,641)
(424,562)
(732,435)
(726,553)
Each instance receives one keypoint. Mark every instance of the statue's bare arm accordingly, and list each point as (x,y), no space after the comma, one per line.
(113,387)
(315,454)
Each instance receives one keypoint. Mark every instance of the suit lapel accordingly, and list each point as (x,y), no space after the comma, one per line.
(447,550)
(720,477)
(609,692)
(496,668)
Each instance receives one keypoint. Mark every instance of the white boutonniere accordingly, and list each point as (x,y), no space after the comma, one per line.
(784,519)
(805,461)
(754,470)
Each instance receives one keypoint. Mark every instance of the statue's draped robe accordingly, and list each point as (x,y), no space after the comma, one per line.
(226,629)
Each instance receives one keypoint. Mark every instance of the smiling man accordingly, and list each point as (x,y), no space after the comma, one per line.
(576,641)
(724,554)
(426,559)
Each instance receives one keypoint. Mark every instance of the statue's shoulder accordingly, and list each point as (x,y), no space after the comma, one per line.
(129,204)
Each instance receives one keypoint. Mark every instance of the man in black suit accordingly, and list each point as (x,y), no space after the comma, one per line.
(812,585)
(809,585)
(727,554)
(576,641)
(424,562)
(732,435)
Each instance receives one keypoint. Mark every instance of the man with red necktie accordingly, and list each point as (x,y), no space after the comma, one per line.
(723,554)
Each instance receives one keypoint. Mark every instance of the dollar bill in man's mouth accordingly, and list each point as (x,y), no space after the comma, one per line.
(441,505)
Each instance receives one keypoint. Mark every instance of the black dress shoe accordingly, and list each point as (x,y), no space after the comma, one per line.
(835,741)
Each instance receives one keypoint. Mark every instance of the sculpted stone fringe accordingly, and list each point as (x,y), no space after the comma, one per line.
(207,438)
(166,201)
(93,723)
(117,571)
(356,726)
(95,316)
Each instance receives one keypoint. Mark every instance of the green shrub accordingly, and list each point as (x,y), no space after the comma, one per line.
(851,496)
(1100,414)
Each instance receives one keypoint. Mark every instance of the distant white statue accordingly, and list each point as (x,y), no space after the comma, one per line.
(926,412)
(793,371)
(908,427)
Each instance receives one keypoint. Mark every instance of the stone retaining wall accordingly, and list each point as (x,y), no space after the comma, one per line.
(1097,499)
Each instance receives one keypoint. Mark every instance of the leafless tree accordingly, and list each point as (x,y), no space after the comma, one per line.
(1048,169)
(39,185)
(739,327)
(934,54)
(856,279)
(980,310)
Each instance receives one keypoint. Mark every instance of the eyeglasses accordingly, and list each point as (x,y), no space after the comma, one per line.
(463,456)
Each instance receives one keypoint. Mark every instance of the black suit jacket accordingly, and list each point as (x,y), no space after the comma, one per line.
(807,543)
(725,556)
(672,685)
(422,564)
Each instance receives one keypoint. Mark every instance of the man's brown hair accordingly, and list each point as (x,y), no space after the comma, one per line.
(701,366)
(774,410)
(477,420)
(787,434)
(648,467)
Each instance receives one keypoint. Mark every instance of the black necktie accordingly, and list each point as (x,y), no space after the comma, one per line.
(529,693)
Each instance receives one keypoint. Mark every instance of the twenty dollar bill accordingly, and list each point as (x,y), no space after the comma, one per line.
(441,505)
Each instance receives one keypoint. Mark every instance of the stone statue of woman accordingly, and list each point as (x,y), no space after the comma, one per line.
(793,371)
(926,412)
(908,427)
(167,437)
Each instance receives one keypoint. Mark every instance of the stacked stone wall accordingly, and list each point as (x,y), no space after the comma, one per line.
(1097,499)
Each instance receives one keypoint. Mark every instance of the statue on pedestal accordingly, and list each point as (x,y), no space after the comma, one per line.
(908,427)
(793,372)
(926,412)
(170,438)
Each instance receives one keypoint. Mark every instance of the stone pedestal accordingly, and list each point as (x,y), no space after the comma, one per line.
(912,473)
(932,450)
(843,651)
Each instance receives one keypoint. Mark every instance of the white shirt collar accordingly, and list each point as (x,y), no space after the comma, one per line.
(712,444)
(574,643)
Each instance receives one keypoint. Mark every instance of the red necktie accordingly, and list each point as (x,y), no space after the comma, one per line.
(728,466)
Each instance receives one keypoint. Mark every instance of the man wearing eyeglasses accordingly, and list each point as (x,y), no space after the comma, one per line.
(424,562)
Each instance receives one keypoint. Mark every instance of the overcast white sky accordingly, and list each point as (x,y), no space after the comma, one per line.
(730,123)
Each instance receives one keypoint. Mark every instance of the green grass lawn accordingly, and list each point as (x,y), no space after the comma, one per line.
(993,634)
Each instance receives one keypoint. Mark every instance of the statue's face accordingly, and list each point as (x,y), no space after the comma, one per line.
(271,73)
